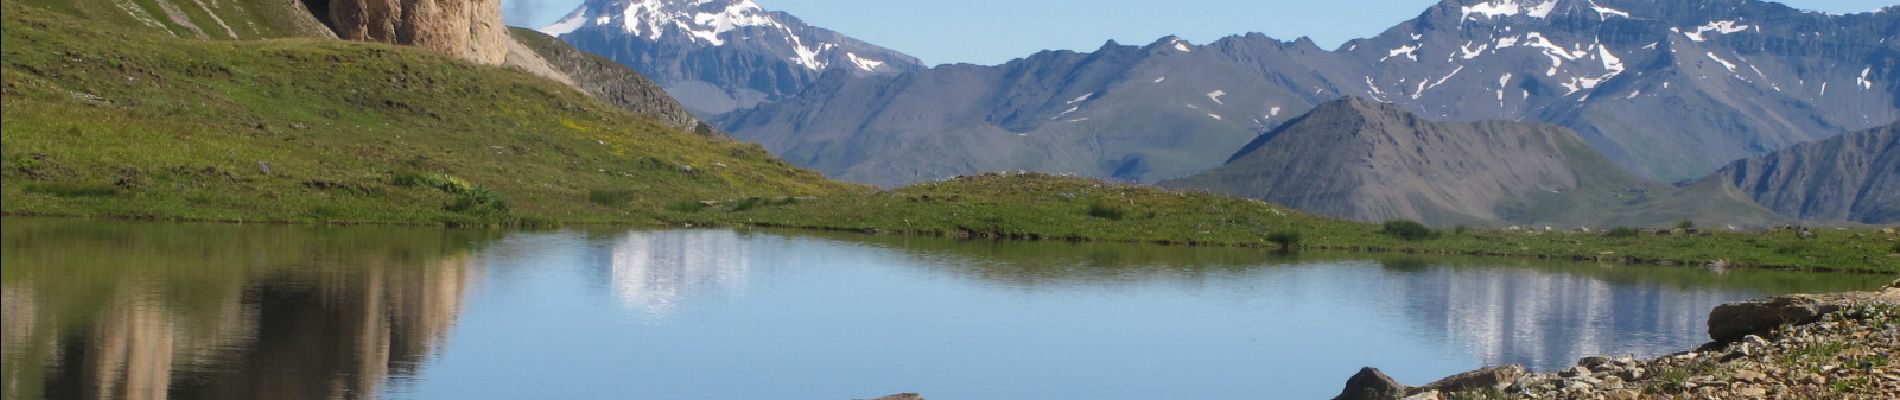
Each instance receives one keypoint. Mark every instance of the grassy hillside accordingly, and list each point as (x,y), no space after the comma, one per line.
(204,19)
(1045,207)
(104,121)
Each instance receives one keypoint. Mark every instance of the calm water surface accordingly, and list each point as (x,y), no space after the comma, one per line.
(187,311)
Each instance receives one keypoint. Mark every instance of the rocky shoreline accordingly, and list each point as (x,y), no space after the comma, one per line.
(1832,346)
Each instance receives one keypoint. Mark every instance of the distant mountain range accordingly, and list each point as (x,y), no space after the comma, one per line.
(1670,90)
(1614,98)
(719,55)
(1364,160)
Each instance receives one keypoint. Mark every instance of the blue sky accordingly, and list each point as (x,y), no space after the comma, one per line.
(994,31)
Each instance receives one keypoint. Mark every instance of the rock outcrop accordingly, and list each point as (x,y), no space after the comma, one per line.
(608,81)
(469,29)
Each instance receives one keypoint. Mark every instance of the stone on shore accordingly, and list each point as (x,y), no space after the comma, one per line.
(1370,384)
(1488,378)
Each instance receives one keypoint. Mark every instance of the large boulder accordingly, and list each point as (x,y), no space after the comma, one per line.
(1370,384)
(1731,322)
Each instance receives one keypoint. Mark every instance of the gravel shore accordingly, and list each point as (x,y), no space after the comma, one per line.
(1837,346)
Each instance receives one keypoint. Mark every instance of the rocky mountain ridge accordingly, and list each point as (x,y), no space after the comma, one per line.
(1670,90)
(1851,178)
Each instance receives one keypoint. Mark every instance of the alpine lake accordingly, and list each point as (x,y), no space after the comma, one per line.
(141,310)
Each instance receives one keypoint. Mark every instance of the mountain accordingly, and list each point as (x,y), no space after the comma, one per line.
(611,82)
(719,55)
(1370,161)
(1853,177)
(1669,90)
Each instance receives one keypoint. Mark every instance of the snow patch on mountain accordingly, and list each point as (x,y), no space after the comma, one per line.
(1410,51)
(1373,89)
(1606,12)
(1064,113)
(808,56)
(1181,45)
(1470,53)
(1424,86)
(1725,63)
(1723,27)
(1610,61)
(1506,8)
(863,63)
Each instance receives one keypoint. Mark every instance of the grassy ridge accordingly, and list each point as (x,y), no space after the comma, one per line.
(1034,206)
(121,123)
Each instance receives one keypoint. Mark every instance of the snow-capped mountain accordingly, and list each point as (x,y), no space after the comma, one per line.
(720,55)
(1669,89)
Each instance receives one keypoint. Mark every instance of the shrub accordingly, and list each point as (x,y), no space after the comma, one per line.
(1105,211)
(1286,239)
(1408,230)
(1624,232)
(1896,248)
(478,199)
(1685,225)
(611,197)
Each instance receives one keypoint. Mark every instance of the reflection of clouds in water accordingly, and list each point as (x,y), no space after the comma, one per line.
(1547,321)
(652,272)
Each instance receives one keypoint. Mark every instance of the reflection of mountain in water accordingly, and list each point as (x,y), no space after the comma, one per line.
(1547,320)
(236,313)
(652,272)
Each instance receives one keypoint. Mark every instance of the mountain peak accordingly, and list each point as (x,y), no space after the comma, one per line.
(698,20)
(1360,106)
(1362,159)
(720,55)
